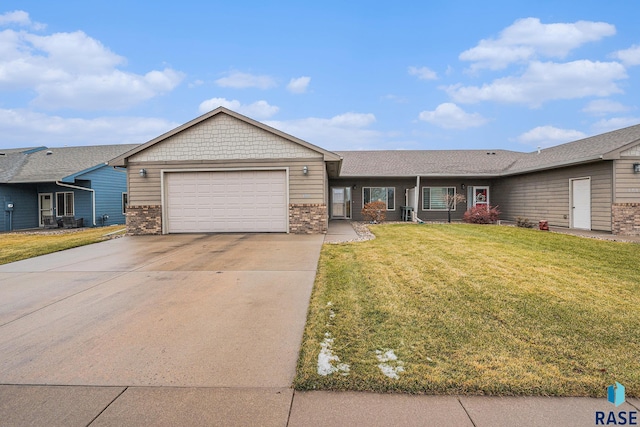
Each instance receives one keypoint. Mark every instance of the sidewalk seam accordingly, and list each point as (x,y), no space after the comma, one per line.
(466,412)
(65,298)
(293,395)
(105,408)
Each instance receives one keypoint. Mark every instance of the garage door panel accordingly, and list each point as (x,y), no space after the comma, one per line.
(237,201)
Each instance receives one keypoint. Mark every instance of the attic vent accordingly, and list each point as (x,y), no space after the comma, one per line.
(491,153)
(49,153)
(2,154)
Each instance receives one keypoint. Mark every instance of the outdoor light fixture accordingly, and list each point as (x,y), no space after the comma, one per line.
(305,170)
(143,173)
(463,186)
(636,168)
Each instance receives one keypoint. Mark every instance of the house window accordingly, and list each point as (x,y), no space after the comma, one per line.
(435,198)
(64,204)
(125,202)
(383,194)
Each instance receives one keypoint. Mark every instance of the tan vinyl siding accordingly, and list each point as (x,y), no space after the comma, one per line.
(545,195)
(627,182)
(302,189)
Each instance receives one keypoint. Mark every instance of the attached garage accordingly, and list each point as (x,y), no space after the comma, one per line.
(224,172)
(226,201)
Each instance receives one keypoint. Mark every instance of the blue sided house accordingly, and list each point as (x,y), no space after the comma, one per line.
(70,186)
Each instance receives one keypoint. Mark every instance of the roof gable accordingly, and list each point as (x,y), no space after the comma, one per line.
(631,152)
(223,137)
(223,134)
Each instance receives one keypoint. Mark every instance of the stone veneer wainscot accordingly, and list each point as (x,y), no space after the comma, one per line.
(308,218)
(626,219)
(144,220)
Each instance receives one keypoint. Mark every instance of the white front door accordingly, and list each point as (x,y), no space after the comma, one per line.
(45,206)
(337,195)
(341,202)
(581,203)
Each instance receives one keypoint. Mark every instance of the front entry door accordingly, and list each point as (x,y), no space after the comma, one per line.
(478,196)
(581,203)
(45,206)
(341,202)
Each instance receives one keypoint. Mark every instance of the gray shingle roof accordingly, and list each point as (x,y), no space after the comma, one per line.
(583,150)
(61,162)
(422,162)
(401,163)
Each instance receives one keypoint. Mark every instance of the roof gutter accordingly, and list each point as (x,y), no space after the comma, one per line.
(93,197)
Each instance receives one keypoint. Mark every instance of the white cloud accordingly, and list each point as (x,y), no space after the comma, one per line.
(348,131)
(629,56)
(239,80)
(615,123)
(299,85)
(73,70)
(528,39)
(547,136)
(450,116)
(423,73)
(257,110)
(107,91)
(26,128)
(196,83)
(601,107)
(21,18)
(545,81)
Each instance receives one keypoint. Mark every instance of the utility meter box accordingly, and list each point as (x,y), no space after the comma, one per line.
(8,206)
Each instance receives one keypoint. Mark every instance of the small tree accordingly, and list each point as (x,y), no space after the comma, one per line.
(452,200)
(374,212)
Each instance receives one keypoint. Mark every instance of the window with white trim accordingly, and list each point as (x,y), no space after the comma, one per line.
(435,198)
(384,194)
(64,204)
(125,202)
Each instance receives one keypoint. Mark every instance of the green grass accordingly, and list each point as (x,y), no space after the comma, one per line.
(473,309)
(17,246)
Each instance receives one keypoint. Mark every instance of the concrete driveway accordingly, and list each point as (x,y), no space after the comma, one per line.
(206,311)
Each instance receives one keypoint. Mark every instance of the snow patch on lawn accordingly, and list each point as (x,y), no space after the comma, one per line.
(326,358)
(387,361)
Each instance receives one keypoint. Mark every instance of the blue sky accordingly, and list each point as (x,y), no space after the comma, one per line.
(342,75)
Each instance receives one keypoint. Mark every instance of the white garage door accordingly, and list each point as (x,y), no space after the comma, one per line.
(238,201)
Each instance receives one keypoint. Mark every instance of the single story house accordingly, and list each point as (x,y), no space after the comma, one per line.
(40,183)
(224,172)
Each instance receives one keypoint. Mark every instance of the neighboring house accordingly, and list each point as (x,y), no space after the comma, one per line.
(72,181)
(225,172)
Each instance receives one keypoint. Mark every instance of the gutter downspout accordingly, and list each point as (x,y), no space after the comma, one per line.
(417,201)
(93,196)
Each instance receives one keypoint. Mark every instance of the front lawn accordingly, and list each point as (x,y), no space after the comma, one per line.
(468,309)
(23,245)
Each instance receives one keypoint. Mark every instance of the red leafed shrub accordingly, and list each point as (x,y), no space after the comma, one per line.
(479,214)
(375,211)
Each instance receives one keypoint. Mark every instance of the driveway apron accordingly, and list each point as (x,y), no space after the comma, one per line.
(224,310)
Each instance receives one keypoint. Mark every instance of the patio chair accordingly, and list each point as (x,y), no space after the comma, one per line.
(49,221)
(71,222)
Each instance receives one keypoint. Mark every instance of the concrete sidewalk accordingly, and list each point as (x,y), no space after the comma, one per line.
(340,231)
(22,405)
